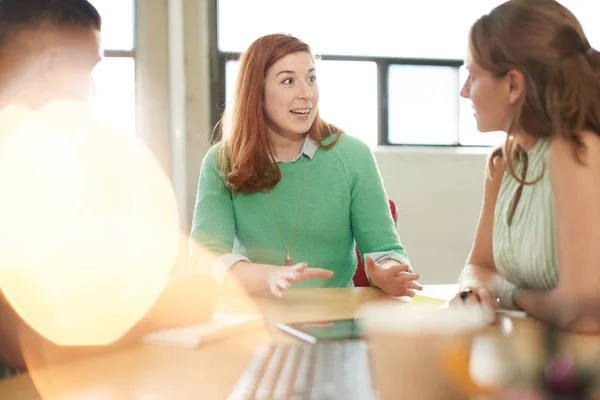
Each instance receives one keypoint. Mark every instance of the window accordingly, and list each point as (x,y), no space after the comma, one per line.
(407,91)
(114,76)
(368,29)
(416,93)
(356,115)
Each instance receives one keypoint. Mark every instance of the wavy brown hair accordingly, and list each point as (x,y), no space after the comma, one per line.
(245,156)
(546,43)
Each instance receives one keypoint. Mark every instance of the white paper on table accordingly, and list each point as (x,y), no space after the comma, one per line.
(220,326)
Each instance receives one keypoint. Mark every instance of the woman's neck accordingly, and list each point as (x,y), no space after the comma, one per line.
(525,140)
(286,148)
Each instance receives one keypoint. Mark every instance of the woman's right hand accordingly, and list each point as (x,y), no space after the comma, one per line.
(281,278)
(477,294)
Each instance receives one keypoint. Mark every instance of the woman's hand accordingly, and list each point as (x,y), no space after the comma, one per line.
(255,278)
(395,279)
(477,294)
(281,278)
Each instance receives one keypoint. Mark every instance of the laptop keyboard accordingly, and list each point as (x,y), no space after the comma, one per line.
(337,369)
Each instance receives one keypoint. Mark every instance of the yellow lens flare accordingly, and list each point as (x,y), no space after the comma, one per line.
(89,229)
(140,371)
(88,239)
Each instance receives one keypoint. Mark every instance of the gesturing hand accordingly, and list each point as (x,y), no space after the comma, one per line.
(281,278)
(395,280)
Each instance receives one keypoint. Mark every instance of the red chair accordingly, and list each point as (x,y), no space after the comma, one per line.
(360,277)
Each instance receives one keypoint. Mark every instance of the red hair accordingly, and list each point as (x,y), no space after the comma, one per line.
(245,157)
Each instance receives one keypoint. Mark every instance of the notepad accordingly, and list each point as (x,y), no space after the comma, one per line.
(221,325)
(426,300)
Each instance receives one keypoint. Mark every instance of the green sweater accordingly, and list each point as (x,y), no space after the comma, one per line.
(344,202)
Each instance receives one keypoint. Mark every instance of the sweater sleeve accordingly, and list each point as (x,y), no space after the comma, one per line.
(213,225)
(372,223)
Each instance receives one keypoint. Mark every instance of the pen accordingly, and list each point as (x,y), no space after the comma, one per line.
(297,333)
(512,313)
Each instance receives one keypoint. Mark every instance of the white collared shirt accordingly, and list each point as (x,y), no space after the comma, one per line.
(309,148)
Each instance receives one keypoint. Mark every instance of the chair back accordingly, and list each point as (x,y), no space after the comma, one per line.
(360,276)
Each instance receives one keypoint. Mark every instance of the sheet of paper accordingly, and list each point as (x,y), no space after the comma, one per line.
(419,300)
(221,325)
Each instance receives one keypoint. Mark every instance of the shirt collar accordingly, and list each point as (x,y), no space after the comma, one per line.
(309,148)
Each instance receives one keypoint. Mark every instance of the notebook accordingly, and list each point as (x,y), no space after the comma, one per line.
(221,325)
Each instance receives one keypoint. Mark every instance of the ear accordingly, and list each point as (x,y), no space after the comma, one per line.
(516,86)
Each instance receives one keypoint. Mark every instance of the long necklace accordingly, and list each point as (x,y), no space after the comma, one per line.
(288,258)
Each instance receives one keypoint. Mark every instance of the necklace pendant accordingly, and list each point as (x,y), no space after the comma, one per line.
(288,261)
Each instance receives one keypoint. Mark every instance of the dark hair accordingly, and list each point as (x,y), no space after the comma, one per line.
(545,42)
(17,15)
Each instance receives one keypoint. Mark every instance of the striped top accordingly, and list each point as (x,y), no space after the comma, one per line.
(526,253)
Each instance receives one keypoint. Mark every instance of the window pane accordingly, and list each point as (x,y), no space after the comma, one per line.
(114,103)
(231,72)
(117,23)
(423,105)
(348,97)
(469,135)
(399,28)
(356,114)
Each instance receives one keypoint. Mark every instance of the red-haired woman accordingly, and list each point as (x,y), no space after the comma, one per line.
(285,195)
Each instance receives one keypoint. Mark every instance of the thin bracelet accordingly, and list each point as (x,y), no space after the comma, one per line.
(513,299)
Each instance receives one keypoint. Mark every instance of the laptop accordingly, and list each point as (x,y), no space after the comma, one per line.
(330,367)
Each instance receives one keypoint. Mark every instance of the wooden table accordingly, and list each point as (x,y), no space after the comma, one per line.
(210,371)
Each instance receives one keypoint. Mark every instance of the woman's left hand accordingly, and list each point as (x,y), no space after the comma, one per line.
(396,279)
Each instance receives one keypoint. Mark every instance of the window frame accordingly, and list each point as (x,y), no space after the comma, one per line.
(130,53)
(109,53)
(218,83)
(120,53)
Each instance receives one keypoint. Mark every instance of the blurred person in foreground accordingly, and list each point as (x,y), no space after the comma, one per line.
(88,224)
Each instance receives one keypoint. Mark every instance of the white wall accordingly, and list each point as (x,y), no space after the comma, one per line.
(173,79)
(438,192)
